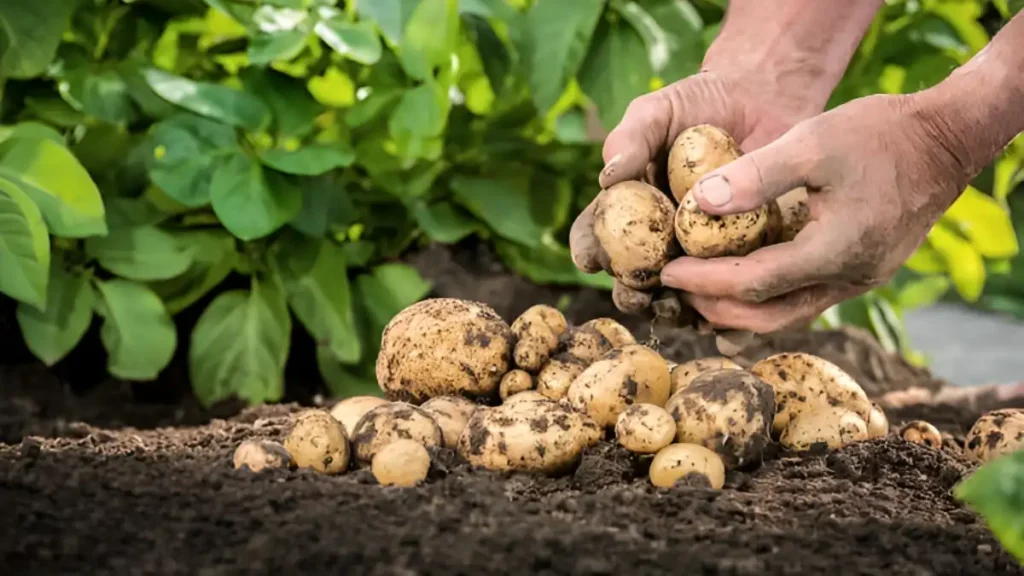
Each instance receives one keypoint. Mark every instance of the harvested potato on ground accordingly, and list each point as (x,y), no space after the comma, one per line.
(804,382)
(451,414)
(683,374)
(257,455)
(788,215)
(585,343)
(318,441)
(444,346)
(527,396)
(995,434)
(832,426)
(350,410)
(558,374)
(878,422)
(537,331)
(697,151)
(394,421)
(633,221)
(679,461)
(617,334)
(704,235)
(726,410)
(645,428)
(403,463)
(514,382)
(541,436)
(921,432)
(632,374)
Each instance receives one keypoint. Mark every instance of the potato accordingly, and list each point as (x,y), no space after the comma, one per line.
(527,396)
(586,344)
(514,382)
(804,382)
(995,434)
(628,375)
(683,374)
(541,436)
(788,215)
(444,346)
(558,374)
(704,235)
(633,223)
(257,455)
(318,441)
(645,428)
(451,414)
(616,334)
(679,461)
(390,422)
(697,151)
(726,410)
(921,432)
(537,331)
(350,410)
(832,426)
(402,463)
(878,422)
(630,301)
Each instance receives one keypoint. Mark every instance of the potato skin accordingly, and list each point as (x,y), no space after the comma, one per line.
(678,461)
(633,223)
(704,235)
(787,215)
(349,410)
(394,421)
(645,428)
(628,375)
(318,441)
(402,463)
(995,434)
(585,344)
(558,374)
(831,426)
(697,151)
(537,331)
(451,414)
(514,382)
(616,334)
(527,396)
(728,411)
(444,346)
(683,374)
(921,432)
(878,422)
(259,455)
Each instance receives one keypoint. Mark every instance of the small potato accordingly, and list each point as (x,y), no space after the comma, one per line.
(630,301)
(921,432)
(617,334)
(585,344)
(558,374)
(350,410)
(633,223)
(788,215)
(995,434)
(394,421)
(697,151)
(831,426)
(806,382)
(704,235)
(257,455)
(726,410)
(403,463)
(628,375)
(537,331)
(645,428)
(679,461)
(318,441)
(878,422)
(683,374)
(451,413)
(442,346)
(514,382)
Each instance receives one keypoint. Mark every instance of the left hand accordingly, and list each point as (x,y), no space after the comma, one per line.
(879,170)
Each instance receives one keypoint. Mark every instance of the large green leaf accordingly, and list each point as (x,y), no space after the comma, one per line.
(313,272)
(213,258)
(31,129)
(265,48)
(51,176)
(430,37)
(214,101)
(53,333)
(671,30)
(187,151)
(504,204)
(965,265)
(140,253)
(137,331)
(389,289)
(555,43)
(984,221)
(252,202)
(615,71)
(326,205)
(102,94)
(293,108)
(240,344)
(30,31)
(310,160)
(421,113)
(996,491)
(356,41)
(24,247)
(390,16)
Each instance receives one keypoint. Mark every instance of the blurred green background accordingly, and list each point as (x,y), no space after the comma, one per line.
(154,152)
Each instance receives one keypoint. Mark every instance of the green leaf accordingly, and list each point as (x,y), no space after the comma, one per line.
(214,101)
(141,253)
(671,30)
(213,258)
(252,202)
(443,222)
(53,333)
(130,212)
(313,272)
(389,289)
(239,346)
(996,492)
(309,160)
(294,110)
(966,266)
(984,221)
(343,383)
(51,176)
(503,204)
(187,150)
(24,247)
(615,71)
(391,16)
(430,37)
(421,113)
(326,204)
(32,130)
(283,45)
(30,32)
(555,43)
(356,41)
(137,331)
(926,260)
(102,94)
(923,292)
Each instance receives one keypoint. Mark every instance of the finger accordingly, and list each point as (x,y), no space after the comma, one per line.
(637,140)
(785,312)
(584,247)
(629,300)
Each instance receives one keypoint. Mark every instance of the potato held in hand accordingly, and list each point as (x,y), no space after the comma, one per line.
(633,223)
(318,441)
(995,434)
(444,346)
(390,422)
(633,374)
(696,152)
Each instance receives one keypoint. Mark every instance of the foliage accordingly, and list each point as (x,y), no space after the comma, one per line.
(269,161)
(996,491)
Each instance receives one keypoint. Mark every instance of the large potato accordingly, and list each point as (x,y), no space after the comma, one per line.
(645,428)
(451,414)
(633,222)
(684,461)
(683,374)
(394,421)
(995,434)
(532,436)
(830,426)
(629,375)
(726,410)
(537,331)
(350,410)
(696,152)
(806,382)
(444,346)
(318,441)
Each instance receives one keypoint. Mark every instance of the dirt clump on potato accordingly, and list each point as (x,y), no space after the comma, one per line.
(451,414)
(921,432)
(995,434)
(390,422)
(831,427)
(257,455)
(645,428)
(680,462)
(514,382)
(318,441)
(444,346)
(632,374)
(683,374)
(633,222)
(403,463)
(537,332)
(349,410)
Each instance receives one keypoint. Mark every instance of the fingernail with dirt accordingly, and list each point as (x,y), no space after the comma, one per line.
(715,190)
